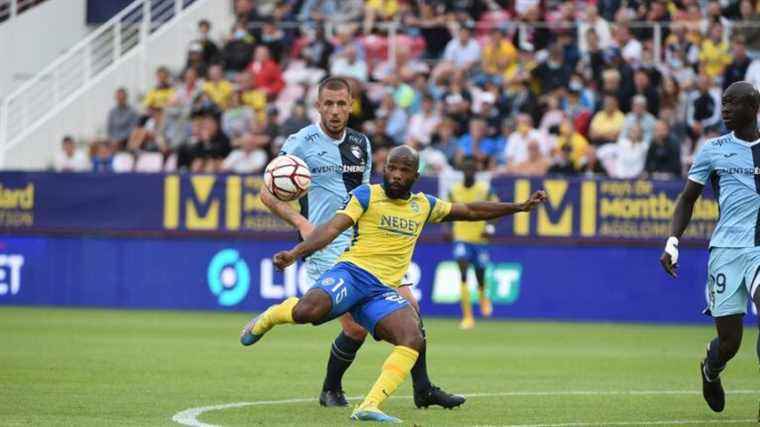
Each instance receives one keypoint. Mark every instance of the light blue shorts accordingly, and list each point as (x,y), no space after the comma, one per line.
(732,279)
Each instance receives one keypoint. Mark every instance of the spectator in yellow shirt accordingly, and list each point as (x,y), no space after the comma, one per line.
(573,142)
(254,98)
(607,123)
(714,54)
(378,9)
(499,55)
(159,96)
(217,88)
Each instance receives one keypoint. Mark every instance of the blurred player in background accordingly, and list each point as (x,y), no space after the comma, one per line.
(340,159)
(471,240)
(388,220)
(730,163)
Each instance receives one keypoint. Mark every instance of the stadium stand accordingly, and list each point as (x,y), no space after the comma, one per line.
(531,87)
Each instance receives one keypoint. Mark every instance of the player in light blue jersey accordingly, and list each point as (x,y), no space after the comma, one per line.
(340,160)
(731,165)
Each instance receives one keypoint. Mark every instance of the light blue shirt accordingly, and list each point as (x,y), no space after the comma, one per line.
(732,167)
(337,167)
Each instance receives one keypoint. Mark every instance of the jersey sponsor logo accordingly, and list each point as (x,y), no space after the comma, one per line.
(738,171)
(404,226)
(722,140)
(338,169)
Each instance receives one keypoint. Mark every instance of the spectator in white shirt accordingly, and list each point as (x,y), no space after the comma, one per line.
(631,155)
(422,125)
(630,49)
(600,26)
(249,158)
(69,158)
(348,64)
(463,50)
(517,148)
(753,74)
(639,116)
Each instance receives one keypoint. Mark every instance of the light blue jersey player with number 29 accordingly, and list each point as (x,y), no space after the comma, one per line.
(731,165)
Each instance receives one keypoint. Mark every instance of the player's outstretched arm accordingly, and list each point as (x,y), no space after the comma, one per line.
(681,217)
(287,213)
(318,239)
(479,211)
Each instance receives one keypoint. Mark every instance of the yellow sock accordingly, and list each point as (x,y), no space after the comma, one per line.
(277,314)
(465,301)
(395,369)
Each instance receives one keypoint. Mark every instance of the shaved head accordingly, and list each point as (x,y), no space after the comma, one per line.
(401,171)
(740,105)
(746,92)
(405,153)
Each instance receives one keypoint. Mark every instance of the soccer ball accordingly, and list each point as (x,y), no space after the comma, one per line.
(287,177)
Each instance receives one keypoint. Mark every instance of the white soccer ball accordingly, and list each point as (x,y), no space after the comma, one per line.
(287,177)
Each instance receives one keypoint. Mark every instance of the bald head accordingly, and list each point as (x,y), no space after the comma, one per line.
(741,102)
(400,172)
(746,92)
(405,154)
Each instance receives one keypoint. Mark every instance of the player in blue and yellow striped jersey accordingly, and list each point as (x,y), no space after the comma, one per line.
(387,221)
(471,241)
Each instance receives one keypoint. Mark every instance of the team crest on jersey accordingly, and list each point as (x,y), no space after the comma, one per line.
(415,206)
(356,151)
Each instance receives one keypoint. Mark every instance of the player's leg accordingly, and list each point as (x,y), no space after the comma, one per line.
(461,252)
(342,353)
(314,306)
(425,393)
(482,260)
(400,328)
(332,296)
(719,351)
(728,295)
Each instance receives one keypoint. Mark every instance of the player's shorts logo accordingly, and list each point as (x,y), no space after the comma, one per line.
(228,277)
(327,281)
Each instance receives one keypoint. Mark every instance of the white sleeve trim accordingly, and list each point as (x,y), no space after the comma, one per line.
(692,178)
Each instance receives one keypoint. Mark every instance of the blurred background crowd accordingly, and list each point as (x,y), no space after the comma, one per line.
(623,89)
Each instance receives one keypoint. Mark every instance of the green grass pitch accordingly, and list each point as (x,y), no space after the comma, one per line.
(140,368)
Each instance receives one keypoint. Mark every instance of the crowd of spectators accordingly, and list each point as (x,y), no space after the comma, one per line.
(525,87)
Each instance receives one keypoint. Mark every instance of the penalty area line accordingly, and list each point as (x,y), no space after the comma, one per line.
(189,417)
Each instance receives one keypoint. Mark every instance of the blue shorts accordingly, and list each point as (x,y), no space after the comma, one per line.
(356,291)
(475,254)
(732,278)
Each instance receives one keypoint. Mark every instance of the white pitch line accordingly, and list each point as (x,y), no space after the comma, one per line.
(632,423)
(189,417)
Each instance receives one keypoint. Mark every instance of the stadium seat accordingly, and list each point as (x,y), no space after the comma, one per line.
(149,162)
(123,162)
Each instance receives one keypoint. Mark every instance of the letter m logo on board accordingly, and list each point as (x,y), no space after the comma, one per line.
(197,202)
